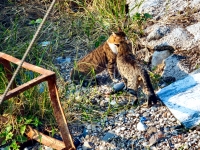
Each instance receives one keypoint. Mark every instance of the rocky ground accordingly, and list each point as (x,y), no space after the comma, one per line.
(121,131)
(125,130)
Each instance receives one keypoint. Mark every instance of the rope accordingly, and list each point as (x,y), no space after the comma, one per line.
(27,51)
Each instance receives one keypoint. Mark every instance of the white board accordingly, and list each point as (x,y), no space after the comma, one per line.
(183,99)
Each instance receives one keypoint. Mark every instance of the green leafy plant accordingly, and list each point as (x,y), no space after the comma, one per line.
(13,132)
(155,78)
(37,21)
(141,19)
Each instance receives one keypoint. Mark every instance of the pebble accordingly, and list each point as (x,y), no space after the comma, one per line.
(177,146)
(109,135)
(137,115)
(173,119)
(113,102)
(145,114)
(62,60)
(141,126)
(87,146)
(152,130)
(186,146)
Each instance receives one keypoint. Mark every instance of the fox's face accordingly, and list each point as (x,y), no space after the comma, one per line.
(115,39)
(124,47)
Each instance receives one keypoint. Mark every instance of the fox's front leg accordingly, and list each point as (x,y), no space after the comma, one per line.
(111,70)
(125,81)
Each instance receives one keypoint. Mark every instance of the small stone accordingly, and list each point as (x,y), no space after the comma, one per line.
(61,60)
(123,113)
(168,114)
(153,148)
(141,126)
(117,130)
(158,116)
(113,102)
(94,127)
(118,87)
(137,115)
(199,144)
(157,126)
(47,148)
(194,136)
(123,128)
(186,146)
(153,108)
(166,129)
(164,114)
(151,130)
(121,117)
(87,146)
(102,148)
(173,119)
(131,111)
(161,120)
(155,138)
(177,145)
(107,99)
(109,135)
(145,114)
(145,144)
(89,127)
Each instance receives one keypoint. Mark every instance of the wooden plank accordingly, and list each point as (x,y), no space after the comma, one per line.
(25,64)
(25,86)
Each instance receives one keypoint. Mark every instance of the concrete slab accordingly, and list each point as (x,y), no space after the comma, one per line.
(183,99)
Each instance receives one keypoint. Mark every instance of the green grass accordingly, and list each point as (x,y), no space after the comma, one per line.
(70,34)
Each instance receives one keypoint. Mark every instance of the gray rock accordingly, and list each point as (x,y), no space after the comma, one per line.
(109,135)
(178,38)
(118,86)
(159,56)
(158,33)
(145,114)
(87,145)
(173,67)
(147,6)
(195,31)
(61,60)
(160,8)
(141,126)
(155,138)
(177,146)
(151,130)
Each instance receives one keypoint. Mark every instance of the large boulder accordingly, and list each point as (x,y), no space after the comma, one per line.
(175,25)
